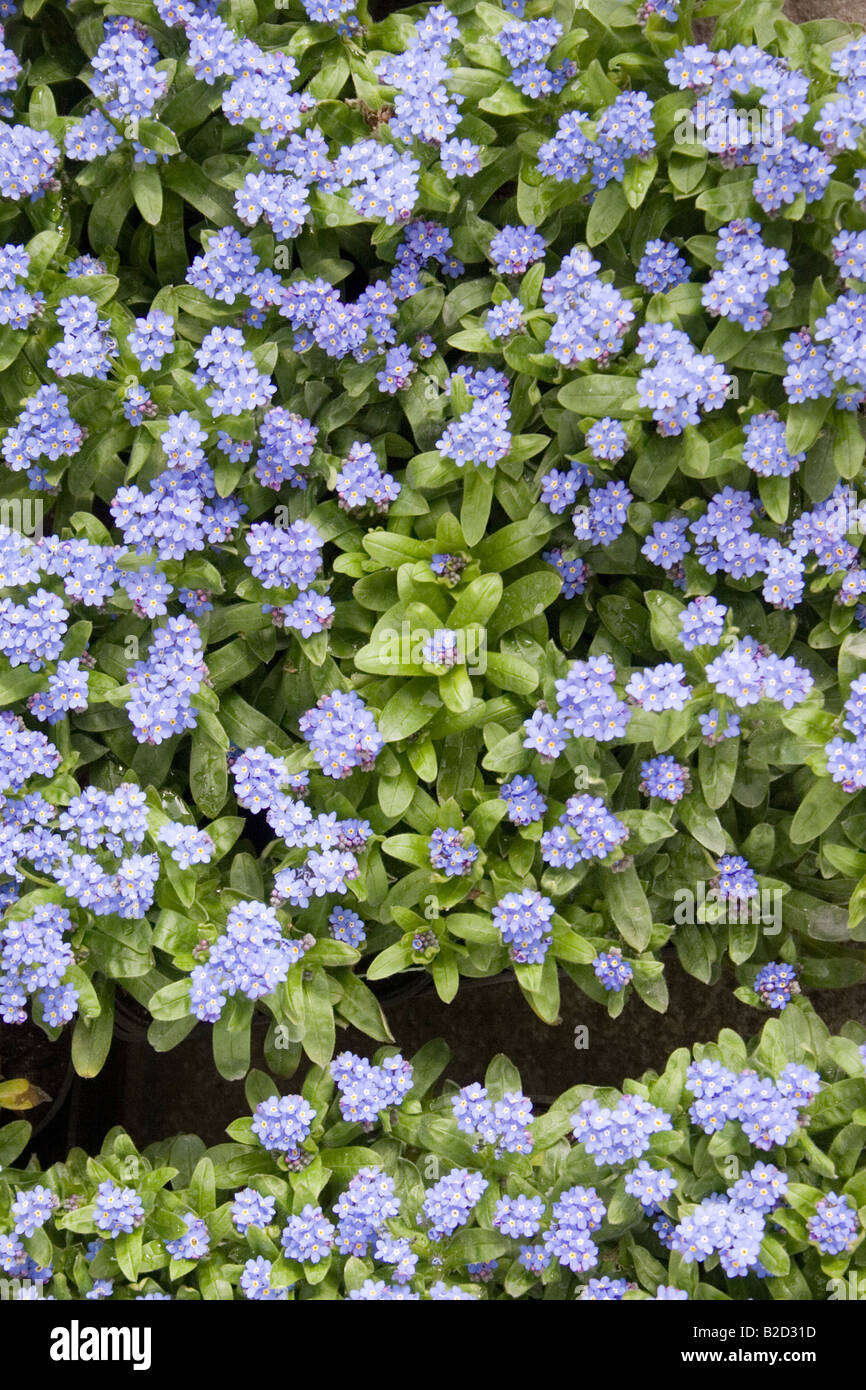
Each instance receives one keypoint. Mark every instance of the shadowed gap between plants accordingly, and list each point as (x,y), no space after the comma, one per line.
(154,1094)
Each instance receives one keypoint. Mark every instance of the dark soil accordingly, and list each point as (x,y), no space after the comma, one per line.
(26,1052)
(153,1095)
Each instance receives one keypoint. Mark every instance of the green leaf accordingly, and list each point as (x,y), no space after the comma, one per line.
(775,495)
(638,180)
(505,101)
(477,499)
(774,1257)
(474,1246)
(511,673)
(597,394)
(696,950)
(360,1007)
(849,445)
(147,191)
(168,241)
(208,774)
(319,1028)
(717,770)
(729,200)
(390,961)
(478,601)
(171,1003)
(608,209)
(230,1037)
(700,822)
(819,808)
(18,684)
(629,907)
(446,976)
(91,1037)
(410,849)
(515,543)
(109,214)
(128,1253)
(804,424)
(14,1138)
(408,710)
(527,598)
(155,136)
(185,177)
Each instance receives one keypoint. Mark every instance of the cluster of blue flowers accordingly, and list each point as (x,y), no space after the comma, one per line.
(677,383)
(591,317)
(613,1136)
(526,48)
(449,854)
(86,348)
(746,673)
(44,429)
(735,880)
(623,131)
(523,801)
(368,1201)
(523,921)
(846,758)
(117,1210)
(480,435)
(768,1111)
(34,959)
(308,1236)
(665,778)
(659,688)
(765,450)
(785,166)
(442,649)
(345,925)
(776,984)
(259,781)
(718,1225)
(611,971)
(194,1244)
(18,306)
(587,704)
(504,1123)
(28,162)
(651,1186)
(252,956)
(165,683)
(366,1090)
(361,482)
(749,271)
(114,882)
(585,830)
(282,1124)
(341,733)
(578,1212)
(662,267)
(449,1203)
(835,1226)
(67,691)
